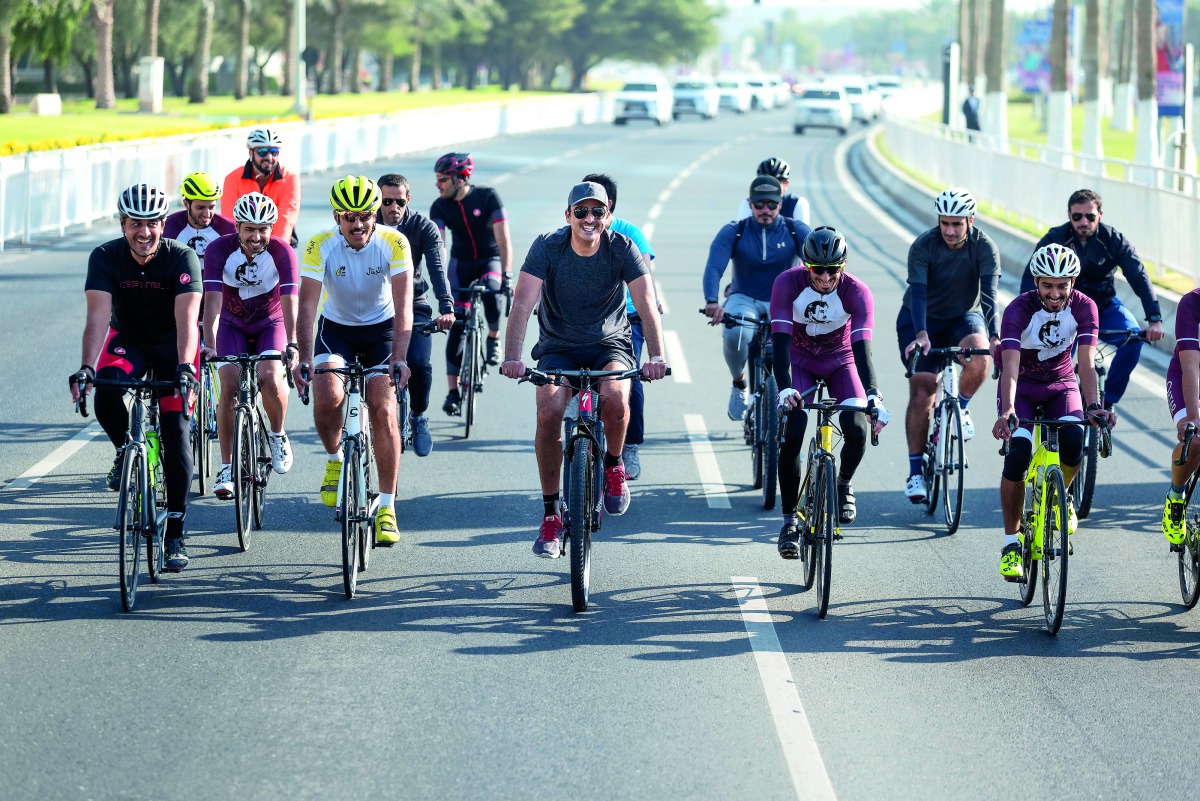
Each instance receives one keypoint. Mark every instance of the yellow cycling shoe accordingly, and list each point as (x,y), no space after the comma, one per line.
(1173,520)
(386,533)
(329,484)
(1010,562)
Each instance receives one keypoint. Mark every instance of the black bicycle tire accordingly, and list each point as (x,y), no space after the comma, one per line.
(466,381)
(828,514)
(351,523)
(1189,553)
(200,438)
(153,537)
(770,443)
(1087,473)
(808,550)
(367,538)
(131,517)
(954,466)
(929,465)
(262,468)
(243,476)
(402,421)
(580,506)
(756,447)
(1055,549)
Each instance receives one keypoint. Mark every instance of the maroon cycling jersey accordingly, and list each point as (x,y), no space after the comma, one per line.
(250,287)
(178,228)
(1046,339)
(470,221)
(821,325)
(1187,322)
(143,296)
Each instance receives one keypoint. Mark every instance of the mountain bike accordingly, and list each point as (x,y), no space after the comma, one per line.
(1189,549)
(474,358)
(204,424)
(942,461)
(251,449)
(817,501)
(1098,444)
(583,469)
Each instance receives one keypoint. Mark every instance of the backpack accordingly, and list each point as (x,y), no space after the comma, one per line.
(741,229)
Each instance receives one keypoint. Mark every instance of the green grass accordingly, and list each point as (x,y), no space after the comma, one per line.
(1024,127)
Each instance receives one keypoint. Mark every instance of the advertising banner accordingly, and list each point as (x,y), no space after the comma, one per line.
(1168,53)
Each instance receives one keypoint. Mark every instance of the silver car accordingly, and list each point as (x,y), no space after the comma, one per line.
(823,106)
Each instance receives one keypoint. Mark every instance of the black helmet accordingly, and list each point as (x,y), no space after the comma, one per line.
(824,247)
(776,168)
(455,164)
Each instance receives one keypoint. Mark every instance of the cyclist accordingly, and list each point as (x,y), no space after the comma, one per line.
(953,274)
(198,224)
(263,173)
(1183,399)
(143,299)
(760,251)
(250,284)
(577,276)
(424,240)
(635,435)
(793,206)
(1039,329)
(1102,249)
(822,316)
(481,250)
(366,274)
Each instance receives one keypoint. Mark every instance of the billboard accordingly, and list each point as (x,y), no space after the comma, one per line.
(1168,57)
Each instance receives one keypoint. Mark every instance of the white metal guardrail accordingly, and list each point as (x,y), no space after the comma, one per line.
(44,193)
(1035,181)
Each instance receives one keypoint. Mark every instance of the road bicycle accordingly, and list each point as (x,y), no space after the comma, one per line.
(583,469)
(251,449)
(474,357)
(1098,444)
(402,399)
(1189,549)
(760,426)
(943,461)
(1044,536)
(141,502)
(817,501)
(204,424)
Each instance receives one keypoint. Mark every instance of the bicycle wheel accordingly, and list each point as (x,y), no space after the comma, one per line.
(580,505)
(770,458)
(402,422)
(199,432)
(929,467)
(808,544)
(353,516)
(1189,554)
(466,381)
(757,451)
(366,543)
(827,515)
(1084,487)
(953,466)
(1055,549)
(153,534)
(131,517)
(262,468)
(243,475)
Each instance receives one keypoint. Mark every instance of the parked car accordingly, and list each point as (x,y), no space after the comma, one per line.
(762,94)
(885,85)
(735,94)
(865,102)
(822,106)
(696,95)
(783,91)
(644,100)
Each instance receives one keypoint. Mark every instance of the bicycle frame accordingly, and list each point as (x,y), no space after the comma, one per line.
(356,425)
(1045,455)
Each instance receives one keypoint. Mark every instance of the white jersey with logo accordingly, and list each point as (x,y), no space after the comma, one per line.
(357,283)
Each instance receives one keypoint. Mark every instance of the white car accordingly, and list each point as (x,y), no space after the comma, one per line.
(696,95)
(783,92)
(822,106)
(865,102)
(735,94)
(762,94)
(644,100)
(885,85)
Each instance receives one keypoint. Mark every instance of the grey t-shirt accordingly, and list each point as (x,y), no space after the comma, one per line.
(583,298)
(951,277)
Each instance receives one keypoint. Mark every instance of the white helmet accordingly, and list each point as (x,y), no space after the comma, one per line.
(1054,261)
(142,202)
(955,202)
(263,137)
(255,208)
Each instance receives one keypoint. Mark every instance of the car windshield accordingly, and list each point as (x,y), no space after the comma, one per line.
(727,84)
(640,87)
(854,90)
(822,94)
(691,85)
(890,83)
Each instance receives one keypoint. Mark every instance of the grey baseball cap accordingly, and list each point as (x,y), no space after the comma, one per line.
(588,190)
(766,187)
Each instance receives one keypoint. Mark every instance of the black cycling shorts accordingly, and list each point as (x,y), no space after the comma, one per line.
(370,345)
(591,357)
(942,334)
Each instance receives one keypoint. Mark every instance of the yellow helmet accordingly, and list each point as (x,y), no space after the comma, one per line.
(200,186)
(355,193)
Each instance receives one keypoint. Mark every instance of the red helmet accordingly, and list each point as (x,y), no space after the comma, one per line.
(456,164)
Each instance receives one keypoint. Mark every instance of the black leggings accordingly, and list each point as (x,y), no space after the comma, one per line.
(854,433)
(466,273)
(420,349)
(1020,452)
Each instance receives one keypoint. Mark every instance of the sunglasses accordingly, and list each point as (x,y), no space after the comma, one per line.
(267,151)
(769,204)
(397,201)
(824,269)
(1077,216)
(597,212)
(363,217)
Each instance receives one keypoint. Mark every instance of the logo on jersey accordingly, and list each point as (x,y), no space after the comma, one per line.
(198,244)
(119,351)
(476,212)
(247,275)
(1051,335)
(817,312)
(340,272)
(184,278)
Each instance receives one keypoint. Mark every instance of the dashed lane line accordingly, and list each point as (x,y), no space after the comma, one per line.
(706,462)
(56,457)
(679,366)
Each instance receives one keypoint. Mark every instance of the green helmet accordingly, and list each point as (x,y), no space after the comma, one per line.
(355,193)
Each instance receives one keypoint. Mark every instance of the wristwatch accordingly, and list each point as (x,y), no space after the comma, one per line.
(709,300)
(1154,318)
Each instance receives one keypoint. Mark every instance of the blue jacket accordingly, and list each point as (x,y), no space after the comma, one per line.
(759,256)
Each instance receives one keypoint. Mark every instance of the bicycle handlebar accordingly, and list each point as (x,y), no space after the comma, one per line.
(246,360)
(543,377)
(828,405)
(945,354)
(134,383)
(1130,334)
(730,320)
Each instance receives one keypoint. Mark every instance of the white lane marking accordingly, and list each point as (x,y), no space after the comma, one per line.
(662,301)
(655,210)
(648,231)
(56,457)
(809,776)
(706,462)
(679,366)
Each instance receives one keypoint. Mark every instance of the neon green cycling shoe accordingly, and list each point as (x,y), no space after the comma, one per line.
(1173,519)
(329,484)
(386,532)
(1010,562)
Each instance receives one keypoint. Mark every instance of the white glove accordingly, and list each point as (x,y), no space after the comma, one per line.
(881,413)
(786,394)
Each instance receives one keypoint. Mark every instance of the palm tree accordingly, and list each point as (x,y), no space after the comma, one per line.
(1093,39)
(1123,97)
(1058,109)
(1146,150)
(198,91)
(241,77)
(102,21)
(995,105)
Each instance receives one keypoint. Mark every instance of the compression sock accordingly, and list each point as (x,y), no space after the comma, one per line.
(914,465)
(174,525)
(550,504)
(1176,493)
(963,400)
(740,383)
(610,461)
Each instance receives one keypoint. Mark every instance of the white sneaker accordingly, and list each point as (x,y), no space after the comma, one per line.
(633,464)
(738,402)
(223,489)
(968,425)
(281,453)
(914,490)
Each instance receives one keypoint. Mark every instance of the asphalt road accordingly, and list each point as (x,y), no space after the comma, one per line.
(460,671)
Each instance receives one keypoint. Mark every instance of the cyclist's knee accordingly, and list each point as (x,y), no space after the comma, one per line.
(1070,445)
(854,429)
(1016,461)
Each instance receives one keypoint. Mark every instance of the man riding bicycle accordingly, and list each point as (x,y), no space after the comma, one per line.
(250,286)
(366,274)
(143,300)
(1183,400)
(1037,334)
(822,316)
(198,224)
(264,173)
(792,206)
(953,274)
(577,277)
(1101,250)
(761,248)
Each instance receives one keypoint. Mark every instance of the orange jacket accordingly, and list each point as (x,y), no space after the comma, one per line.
(283,188)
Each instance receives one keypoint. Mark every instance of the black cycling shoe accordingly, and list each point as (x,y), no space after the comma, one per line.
(453,404)
(113,480)
(176,555)
(493,351)
(847,511)
(789,541)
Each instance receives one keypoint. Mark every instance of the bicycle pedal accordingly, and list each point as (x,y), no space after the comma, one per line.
(1174,548)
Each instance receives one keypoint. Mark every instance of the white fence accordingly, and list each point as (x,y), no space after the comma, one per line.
(44,193)
(1032,182)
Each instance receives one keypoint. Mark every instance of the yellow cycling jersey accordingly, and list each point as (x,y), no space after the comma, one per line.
(357,283)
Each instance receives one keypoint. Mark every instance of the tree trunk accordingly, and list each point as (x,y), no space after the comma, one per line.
(414,67)
(198,91)
(436,65)
(335,50)
(971,42)
(1146,149)
(48,77)
(150,47)
(995,105)
(387,72)
(1092,144)
(1125,54)
(126,65)
(289,49)
(241,68)
(1058,46)
(102,21)
(89,75)
(6,70)
(356,76)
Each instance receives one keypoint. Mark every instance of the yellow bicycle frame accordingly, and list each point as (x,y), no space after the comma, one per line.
(1035,481)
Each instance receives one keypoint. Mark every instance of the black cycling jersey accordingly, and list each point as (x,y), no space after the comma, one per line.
(945,284)
(470,220)
(143,297)
(424,241)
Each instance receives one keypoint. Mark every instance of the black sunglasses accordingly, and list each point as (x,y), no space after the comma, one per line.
(770,204)
(398,201)
(351,217)
(824,269)
(1079,215)
(597,212)
(263,151)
